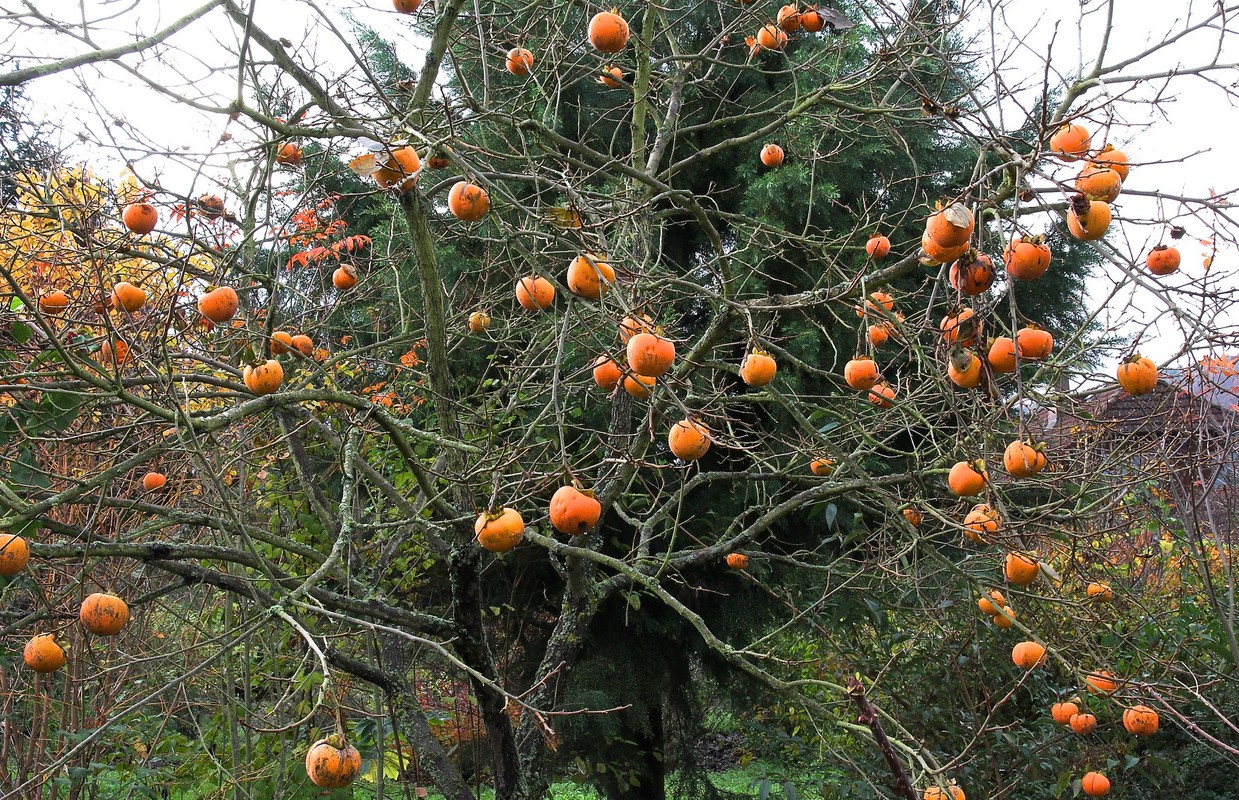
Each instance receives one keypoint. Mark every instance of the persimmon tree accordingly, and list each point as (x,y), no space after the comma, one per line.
(487,417)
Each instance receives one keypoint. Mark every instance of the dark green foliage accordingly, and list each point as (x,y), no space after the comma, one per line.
(23,144)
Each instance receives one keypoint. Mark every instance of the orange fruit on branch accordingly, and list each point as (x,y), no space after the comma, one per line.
(1088,220)
(574,511)
(219,305)
(263,378)
(1163,260)
(878,246)
(650,355)
(14,554)
(304,345)
(973,273)
(1099,592)
(1020,569)
(882,395)
(499,531)
(964,369)
(981,521)
(1063,712)
(638,386)
(1027,259)
(612,77)
(468,201)
(479,321)
(127,296)
(535,293)
(1001,355)
(1023,460)
(607,373)
(1071,142)
(1137,375)
(1094,784)
(53,302)
(1034,342)
(608,32)
(289,154)
(1028,655)
(520,61)
(771,37)
(1114,159)
(344,277)
(962,326)
(140,218)
(758,368)
(589,276)
(965,479)
(788,18)
(1101,682)
(688,439)
(812,20)
(333,763)
(861,373)
(821,467)
(281,342)
(104,614)
(43,654)
(1140,721)
(951,226)
(990,605)
(1099,183)
(1083,723)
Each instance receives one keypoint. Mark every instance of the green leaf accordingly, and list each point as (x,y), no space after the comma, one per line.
(21,332)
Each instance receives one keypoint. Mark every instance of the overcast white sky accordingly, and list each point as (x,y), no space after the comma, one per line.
(1192,118)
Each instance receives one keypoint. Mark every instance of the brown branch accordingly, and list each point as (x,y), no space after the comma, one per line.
(869,718)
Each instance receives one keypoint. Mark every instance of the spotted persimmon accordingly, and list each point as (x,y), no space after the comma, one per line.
(104,614)
(973,273)
(263,378)
(1137,375)
(650,355)
(1087,220)
(951,226)
(771,155)
(468,201)
(14,554)
(219,304)
(140,218)
(43,654)
(1027,258)
(1163,260)
(608,32)
(861,373)
(333,763)
(574,511)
